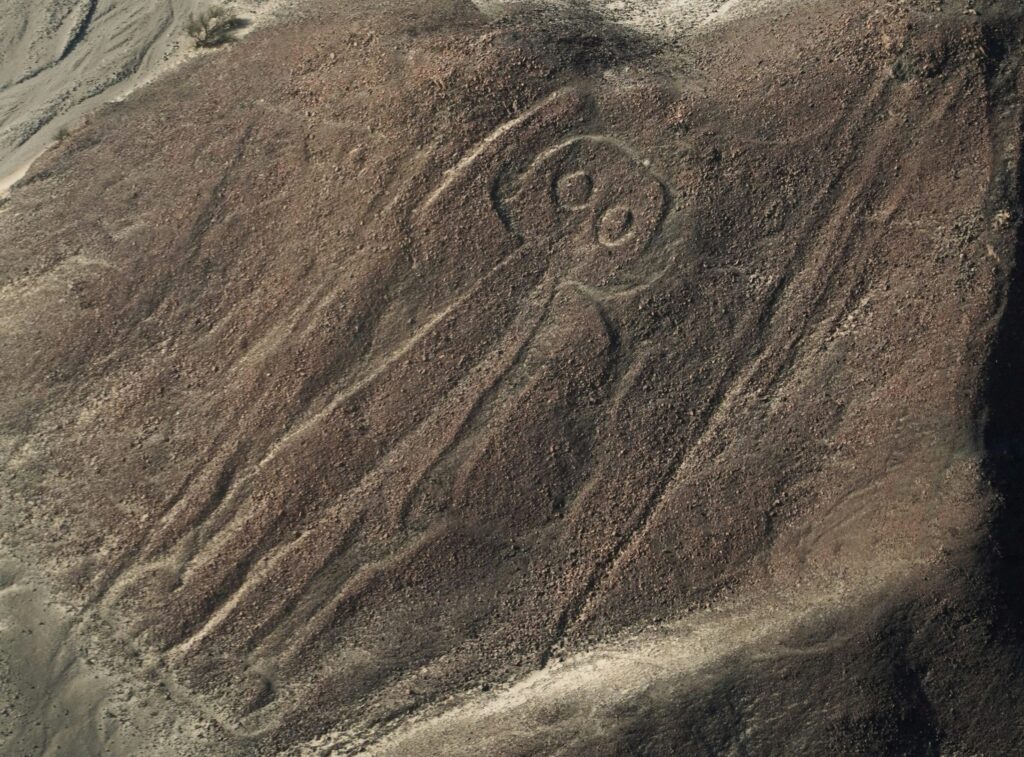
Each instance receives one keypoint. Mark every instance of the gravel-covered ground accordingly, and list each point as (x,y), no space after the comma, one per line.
(550,379)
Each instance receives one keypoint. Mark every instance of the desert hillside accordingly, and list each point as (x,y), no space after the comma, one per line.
(61,59)
(439,378)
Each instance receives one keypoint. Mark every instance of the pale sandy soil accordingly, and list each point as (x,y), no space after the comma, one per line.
(60,59)
(62,694)
(668,17)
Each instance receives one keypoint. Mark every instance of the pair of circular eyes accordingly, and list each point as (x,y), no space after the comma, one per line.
(574,192)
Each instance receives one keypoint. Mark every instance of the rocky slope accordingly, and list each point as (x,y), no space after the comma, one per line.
(526,382)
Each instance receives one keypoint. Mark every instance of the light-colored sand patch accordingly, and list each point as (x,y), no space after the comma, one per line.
(8,181)
(58,698)
(672,18)
(60,59)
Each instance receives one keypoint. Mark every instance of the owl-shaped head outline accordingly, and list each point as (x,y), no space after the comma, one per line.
(588,199)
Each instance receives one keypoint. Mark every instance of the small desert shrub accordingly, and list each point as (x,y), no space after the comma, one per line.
(214,26)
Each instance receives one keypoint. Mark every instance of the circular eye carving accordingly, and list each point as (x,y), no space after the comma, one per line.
(616,226)
(573,190)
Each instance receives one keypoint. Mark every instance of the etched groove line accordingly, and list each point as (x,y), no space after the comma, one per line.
(362,383)
(452,174)
(324,617)
(577,607)
(480,410)
(225,533)
(388,360)
(223,487)
(163,536)
(373,480)
(580,603)
(380,477)
(271,622)
(246,587)
(369,481)
(821,205)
